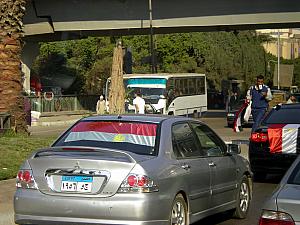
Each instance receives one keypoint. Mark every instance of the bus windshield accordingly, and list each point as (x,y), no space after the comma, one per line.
(148,92)
(151,89)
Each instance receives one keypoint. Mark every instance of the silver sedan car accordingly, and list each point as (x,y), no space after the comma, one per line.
(284,205)
(133,170)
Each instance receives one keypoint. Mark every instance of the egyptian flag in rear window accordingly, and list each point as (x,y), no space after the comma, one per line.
(284,138)
(125,132)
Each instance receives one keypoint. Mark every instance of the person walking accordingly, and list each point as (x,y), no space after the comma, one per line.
(100,108)
(234,100)
(259,95)
(139,103)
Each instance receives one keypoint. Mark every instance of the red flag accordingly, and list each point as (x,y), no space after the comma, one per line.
(284,138)
(237,125)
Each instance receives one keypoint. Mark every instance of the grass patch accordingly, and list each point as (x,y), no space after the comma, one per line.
(15,149)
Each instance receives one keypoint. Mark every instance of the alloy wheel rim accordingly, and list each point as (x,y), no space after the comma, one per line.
(244,197)
(178,214)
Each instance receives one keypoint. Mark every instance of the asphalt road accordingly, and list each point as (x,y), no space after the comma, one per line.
(261,190)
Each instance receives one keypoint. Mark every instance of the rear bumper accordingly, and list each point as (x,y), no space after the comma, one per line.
(42,220)
(34,207)
(262,161)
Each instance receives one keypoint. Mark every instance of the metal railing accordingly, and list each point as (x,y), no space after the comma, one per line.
(64,103)
(5,122)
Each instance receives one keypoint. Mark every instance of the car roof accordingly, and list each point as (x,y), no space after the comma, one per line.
(288,106)
(150,118)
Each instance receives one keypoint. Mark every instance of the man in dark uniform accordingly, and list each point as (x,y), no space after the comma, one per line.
(259,95)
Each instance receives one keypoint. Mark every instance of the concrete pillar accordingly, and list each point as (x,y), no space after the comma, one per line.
(29,53)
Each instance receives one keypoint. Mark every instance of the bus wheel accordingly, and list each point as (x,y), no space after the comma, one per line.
(195,114)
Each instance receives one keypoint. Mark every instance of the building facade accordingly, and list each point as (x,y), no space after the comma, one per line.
(289,42)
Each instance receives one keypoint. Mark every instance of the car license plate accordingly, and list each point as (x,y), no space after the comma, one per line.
(82,184)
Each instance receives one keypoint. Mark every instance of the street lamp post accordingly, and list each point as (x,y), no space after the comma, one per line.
(278,59)
(151,38)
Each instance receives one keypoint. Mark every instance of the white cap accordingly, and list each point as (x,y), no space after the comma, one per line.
(101,97)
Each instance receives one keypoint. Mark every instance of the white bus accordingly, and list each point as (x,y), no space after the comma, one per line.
(171,94)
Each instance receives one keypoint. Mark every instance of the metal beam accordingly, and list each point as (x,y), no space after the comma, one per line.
(105,17)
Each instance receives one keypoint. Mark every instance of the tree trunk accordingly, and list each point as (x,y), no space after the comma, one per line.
(117,91)
(11,99)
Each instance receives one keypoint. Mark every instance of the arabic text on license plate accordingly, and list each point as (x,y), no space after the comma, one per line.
(76,184)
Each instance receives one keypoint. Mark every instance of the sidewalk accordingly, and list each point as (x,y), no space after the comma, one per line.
(60,118)
(70,117)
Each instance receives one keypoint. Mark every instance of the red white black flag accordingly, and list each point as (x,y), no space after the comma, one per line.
(237,124)
(284,138)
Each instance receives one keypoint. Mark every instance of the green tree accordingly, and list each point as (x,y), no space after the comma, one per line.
(220,55)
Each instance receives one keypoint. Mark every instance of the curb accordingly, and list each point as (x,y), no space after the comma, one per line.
(54,123)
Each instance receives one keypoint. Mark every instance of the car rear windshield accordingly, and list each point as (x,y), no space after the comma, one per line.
(136,137)
(283,115)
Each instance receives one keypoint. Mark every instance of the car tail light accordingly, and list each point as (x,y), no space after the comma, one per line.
(137,183)
(259,137)
(275,218)
(26,180)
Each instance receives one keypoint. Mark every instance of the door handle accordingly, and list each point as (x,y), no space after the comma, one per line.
(186,166)
(212,164)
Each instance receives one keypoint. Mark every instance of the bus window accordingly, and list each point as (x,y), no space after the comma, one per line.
(177,86)
(200,81)
(184,87)
(170,91)
(192,86)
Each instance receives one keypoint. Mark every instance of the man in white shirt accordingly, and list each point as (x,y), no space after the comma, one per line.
(139,103)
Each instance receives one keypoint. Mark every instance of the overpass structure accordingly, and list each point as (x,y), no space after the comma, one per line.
(69,19)
(53,20)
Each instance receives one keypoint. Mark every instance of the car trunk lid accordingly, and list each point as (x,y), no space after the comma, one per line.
(81,171)
(288,200)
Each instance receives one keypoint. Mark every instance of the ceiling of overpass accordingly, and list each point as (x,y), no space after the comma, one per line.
(69,19)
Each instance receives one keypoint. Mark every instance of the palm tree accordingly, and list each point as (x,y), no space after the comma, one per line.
(11,100)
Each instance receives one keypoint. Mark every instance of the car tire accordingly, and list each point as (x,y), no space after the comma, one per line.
(179,211)
(243,199)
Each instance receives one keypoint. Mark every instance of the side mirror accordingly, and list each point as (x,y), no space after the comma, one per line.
(233,149)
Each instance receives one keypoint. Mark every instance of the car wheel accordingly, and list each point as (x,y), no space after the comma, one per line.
(243,199)
(179,214)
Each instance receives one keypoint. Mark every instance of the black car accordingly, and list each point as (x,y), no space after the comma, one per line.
(276,142)
(231,114)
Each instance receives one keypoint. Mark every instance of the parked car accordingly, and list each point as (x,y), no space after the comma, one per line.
(231,114)
(133,170)
(283,206)
(276,142)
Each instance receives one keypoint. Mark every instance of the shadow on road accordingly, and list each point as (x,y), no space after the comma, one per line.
(270,179)
(216,219)
(214,114)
